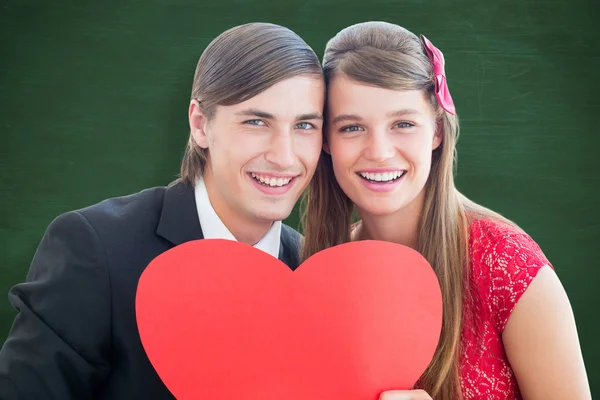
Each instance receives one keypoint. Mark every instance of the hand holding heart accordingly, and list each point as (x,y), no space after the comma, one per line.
(220,319)
(405,395)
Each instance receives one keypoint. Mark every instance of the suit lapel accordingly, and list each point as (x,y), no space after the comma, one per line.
(289,250)
(179,221)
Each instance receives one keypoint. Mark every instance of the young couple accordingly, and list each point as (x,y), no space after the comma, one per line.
(385,146)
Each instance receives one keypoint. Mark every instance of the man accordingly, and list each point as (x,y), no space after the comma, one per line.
(256,120)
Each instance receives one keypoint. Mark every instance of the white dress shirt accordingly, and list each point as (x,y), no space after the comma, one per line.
(214,228)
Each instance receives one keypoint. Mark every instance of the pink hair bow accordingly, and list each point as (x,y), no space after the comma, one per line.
(441,86)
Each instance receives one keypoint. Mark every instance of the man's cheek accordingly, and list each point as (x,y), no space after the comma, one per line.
(310,151)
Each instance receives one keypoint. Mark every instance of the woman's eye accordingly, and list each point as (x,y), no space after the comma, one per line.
(305,126)
(404,125)
(257,122)
(351,128)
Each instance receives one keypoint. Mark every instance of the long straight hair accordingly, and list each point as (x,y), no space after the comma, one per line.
(391,57)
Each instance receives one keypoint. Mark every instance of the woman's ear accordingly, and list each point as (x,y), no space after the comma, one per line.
(438,135)
(326,148)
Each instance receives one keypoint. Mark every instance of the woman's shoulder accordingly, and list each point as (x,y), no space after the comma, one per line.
(490,238)
(493,228)
(500,245)
(503,260)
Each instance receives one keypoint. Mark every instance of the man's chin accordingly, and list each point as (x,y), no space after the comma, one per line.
(272,215)
(267,207)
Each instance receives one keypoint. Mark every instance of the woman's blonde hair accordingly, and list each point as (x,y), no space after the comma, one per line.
(389,56)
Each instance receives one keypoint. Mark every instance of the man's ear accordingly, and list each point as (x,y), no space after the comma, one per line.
(438,135)
(198,124)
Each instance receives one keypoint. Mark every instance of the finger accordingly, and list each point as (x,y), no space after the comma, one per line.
(405,395)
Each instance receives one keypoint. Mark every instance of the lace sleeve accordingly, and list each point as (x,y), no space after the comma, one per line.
(509,262)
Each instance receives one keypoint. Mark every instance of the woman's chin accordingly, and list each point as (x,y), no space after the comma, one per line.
(376,210)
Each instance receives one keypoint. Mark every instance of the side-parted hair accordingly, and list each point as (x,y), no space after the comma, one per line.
(239,64)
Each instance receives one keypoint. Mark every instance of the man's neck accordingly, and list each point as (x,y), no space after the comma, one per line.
(243,228)
(246,232)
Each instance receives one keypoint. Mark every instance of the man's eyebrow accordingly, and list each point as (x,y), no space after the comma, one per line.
(314,115)
(253,112)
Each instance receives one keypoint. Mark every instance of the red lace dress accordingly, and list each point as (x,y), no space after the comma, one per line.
(503,262)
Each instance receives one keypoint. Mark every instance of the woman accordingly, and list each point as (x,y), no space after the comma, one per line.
(391,130)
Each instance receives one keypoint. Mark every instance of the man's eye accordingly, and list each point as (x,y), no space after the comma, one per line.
(257,122)
(305,126)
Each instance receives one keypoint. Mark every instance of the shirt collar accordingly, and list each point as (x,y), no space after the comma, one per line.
(214,228)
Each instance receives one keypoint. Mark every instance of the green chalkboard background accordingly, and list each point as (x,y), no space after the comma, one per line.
(94,96)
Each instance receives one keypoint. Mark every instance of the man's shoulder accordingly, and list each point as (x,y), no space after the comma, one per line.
(117,215)
(144,204)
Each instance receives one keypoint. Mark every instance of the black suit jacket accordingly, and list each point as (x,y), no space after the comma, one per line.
(75,336)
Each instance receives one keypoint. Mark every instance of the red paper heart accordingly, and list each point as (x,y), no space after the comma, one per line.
(222,320)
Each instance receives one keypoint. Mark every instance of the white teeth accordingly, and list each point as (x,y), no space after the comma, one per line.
(267,181)
(382,177)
